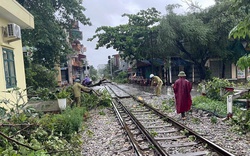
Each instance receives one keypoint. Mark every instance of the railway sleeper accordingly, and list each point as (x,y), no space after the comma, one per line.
(169,138)
(191,154)
(162,126)
(184,144)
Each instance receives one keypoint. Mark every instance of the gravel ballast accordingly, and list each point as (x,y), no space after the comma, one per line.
(103,135)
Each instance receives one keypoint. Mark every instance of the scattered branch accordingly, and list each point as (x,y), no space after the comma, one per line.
(14,125)
(98,83)
(20,131)
(12,140)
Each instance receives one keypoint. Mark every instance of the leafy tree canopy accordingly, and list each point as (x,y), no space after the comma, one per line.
(34,78)
(197,36)
(241,30)
(49,37)
(134,39)
(93,73)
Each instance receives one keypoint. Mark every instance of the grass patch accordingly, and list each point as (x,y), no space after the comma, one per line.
(219,108)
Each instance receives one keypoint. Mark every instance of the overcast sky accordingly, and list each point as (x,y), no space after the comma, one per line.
(109,13)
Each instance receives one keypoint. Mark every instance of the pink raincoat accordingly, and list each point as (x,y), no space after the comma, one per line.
(183,101)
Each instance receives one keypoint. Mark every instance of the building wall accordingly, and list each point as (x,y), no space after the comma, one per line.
(12,12)
(234,75)
(216,66)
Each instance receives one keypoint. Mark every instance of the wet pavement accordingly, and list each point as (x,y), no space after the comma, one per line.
(166,90)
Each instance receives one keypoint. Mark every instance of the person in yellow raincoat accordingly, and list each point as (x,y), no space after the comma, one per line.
(159,83)
(77,87)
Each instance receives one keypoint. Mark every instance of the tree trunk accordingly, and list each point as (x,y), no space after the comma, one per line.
(202,71)
(223,70)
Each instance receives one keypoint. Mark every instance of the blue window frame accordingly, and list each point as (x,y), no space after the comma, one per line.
(9,68)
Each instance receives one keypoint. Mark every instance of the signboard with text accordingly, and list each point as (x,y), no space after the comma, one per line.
(240,73)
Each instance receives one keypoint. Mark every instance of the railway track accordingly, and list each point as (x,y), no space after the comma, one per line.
(153,133)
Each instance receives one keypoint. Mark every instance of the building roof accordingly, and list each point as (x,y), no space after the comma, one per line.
(15,13)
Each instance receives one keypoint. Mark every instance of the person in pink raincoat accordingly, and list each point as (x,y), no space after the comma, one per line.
(182,88)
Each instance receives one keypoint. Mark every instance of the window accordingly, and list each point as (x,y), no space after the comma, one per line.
(9,68)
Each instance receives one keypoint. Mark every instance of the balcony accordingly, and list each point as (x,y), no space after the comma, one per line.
(76,63)
(75,34)
(81,57)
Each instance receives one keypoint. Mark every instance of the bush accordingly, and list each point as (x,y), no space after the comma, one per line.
(36,134)
(64,124)
(121,77)
(63,94)
(213,88)
(34,78)
(219,108)
(55,134)
(44,94)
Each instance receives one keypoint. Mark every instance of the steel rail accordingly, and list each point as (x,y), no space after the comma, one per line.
(212,145)
(130,135)
(157,146)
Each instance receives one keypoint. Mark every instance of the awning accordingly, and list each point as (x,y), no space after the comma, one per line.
(176,61)
(143,63)
(117,71)
(157,62)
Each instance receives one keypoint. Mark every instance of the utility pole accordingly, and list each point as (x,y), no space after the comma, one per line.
(110,66)
(111,69)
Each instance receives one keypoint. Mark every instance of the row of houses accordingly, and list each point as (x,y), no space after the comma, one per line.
(143,68)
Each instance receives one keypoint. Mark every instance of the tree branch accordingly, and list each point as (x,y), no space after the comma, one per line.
(97,84)
(12,140)
(19,131)
(181,47)
(13,125)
